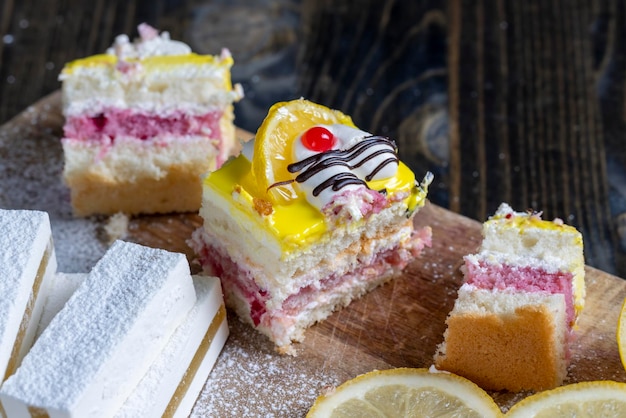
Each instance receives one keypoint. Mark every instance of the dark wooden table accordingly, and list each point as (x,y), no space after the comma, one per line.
(523,102)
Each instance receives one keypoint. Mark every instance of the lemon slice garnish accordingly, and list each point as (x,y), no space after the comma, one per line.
(621,334)
(273,144)
(406,392)
(604,398)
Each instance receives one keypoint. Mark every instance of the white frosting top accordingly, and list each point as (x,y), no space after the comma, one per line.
(356,156)
(149,44)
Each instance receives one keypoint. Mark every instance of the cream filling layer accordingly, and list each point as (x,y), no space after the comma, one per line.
(131,159)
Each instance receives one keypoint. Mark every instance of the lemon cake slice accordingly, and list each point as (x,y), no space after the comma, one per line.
(516,312)
(98,347)
(27,265)
(313,214)
(143,122)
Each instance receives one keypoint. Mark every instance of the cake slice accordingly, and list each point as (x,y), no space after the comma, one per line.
(143,122)
(312,215)
(27,264)
(517,310)
(99,346)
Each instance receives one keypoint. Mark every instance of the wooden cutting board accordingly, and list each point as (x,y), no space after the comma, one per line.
(398,325)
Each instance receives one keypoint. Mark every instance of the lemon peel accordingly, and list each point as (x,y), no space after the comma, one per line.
(602,398)
(273,144)
(405,392)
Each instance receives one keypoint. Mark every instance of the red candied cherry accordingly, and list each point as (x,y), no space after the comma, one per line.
(318,139)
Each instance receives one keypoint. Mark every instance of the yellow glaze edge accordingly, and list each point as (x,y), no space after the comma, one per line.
(154,62)
(298,223)
(523,220)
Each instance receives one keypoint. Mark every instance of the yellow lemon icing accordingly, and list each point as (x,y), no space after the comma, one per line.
(151,63)
(522,220)
(297,223)
(154,63)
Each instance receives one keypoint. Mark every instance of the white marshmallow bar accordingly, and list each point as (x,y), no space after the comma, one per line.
(27,264)
(62,287)
(101,344)
(175,379)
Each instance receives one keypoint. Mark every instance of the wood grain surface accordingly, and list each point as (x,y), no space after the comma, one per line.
(401,323)
(523,102)
(398,324)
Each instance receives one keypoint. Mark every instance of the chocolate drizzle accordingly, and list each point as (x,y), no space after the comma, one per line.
(317,163)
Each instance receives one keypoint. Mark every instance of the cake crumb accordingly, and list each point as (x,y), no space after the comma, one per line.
(117,227)
(263,207)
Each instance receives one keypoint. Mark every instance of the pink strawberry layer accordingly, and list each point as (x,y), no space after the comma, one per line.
(123,122)
(485,275)
(237,280)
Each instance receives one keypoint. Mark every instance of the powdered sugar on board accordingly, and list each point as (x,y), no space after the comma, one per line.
(31,163)
(259,382)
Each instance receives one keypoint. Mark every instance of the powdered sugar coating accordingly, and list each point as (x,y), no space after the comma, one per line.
(23,235)
(24,243)
(130,303)
(31,179)
(61,289)
(152,395)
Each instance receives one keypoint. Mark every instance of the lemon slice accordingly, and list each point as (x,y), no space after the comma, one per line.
(406,392)
(621,334)
(586,399)
(284,122)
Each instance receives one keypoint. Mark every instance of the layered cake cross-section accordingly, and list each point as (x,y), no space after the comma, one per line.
(313,214)
(517,310)
(143,123)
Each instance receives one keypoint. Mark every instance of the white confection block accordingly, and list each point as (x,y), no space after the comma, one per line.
(200,338)
(63,285)
(177,376)
(195,387)
(99,346)
(27,264)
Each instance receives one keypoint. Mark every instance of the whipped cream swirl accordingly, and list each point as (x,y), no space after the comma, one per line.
(149,44)
(357,157)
